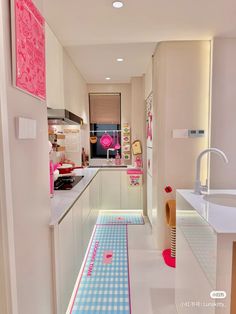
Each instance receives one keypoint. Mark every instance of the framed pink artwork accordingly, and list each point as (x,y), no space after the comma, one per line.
(29,66)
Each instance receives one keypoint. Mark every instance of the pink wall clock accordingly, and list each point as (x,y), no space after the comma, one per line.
(29,49)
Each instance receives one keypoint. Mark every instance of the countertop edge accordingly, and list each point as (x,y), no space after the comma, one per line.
(56,219)
(185,193)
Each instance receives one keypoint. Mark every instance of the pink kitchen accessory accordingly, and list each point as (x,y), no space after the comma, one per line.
(134,171)
(138,162)
(117,145)
(107,257)
(135,180)
(29,45)
(149,127)
(106,141)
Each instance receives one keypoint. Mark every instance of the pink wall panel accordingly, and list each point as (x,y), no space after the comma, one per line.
(30,49)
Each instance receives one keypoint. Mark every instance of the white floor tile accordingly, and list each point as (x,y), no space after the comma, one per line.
(152,282)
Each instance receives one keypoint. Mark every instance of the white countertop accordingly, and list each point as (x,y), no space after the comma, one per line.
(221,218)
(62,201)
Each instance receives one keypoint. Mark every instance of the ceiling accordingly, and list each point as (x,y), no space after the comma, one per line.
(96,62)
(95,34)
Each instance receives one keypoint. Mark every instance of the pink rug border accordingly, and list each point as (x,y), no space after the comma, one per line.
(123,224)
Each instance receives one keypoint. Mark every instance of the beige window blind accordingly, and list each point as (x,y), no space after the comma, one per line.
(105,108)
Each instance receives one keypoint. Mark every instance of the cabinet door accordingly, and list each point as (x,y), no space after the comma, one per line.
(54,64)
(131,196)
(86,203)
(95,193)
(66,260)
(110,189)
(78,234)
(85,218)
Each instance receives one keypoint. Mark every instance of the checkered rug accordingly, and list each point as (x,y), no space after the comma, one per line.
(104,286)
(120,219)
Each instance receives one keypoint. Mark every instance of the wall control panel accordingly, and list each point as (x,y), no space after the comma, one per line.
(196,133)
(186,133)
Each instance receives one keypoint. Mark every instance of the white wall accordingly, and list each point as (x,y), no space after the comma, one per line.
(148,77)
(223,121)
(29,169)
(181,101)
(137,109)
(138,123)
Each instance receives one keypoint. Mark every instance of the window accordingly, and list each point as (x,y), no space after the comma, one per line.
(105,117)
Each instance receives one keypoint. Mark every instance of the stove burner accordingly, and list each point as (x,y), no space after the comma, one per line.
(66,182)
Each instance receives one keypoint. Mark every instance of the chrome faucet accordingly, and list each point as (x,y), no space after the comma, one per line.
(199,188)
(108,151)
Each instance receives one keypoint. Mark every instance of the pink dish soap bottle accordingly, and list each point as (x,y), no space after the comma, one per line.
(117,159)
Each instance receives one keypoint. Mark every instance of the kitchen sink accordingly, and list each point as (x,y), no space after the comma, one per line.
(221,199)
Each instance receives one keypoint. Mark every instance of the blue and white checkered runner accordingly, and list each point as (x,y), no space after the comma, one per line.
(104,287)
(120,219)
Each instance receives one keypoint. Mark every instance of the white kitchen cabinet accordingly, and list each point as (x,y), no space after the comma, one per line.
(131,196)
(54,73)
(85,197)
(66,260)
(116,193)
(70,241)
(95,197)
(110,189)
(85,217)
(78,234)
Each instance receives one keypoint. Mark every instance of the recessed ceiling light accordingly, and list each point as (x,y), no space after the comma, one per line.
(108,78)
(119,59)
(117,4)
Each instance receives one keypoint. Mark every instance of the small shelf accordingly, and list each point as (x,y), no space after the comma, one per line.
(54,136)
(59,149)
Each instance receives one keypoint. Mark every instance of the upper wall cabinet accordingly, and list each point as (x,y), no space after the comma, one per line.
(75,88)
(54,71)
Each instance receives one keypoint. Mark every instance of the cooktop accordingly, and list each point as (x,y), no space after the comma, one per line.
(67,182)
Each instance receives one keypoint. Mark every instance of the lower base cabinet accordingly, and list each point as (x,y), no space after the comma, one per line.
(77,232)
(70,241)
(108,190)
(66,267)
(117,193)
(131,196)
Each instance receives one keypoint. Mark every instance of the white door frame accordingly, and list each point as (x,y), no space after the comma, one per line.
(8,287)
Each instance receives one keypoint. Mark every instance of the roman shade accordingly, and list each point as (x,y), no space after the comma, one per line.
(104,108)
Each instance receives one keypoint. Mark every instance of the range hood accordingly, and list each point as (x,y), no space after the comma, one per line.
(63,116)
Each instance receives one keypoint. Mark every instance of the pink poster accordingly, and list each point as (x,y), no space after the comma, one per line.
(30,49)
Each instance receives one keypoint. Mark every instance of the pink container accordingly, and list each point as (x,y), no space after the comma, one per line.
(134,171)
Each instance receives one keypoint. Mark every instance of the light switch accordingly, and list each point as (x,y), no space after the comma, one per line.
(25,128)
(180,133)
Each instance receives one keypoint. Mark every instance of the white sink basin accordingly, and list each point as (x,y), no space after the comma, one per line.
(221,199)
